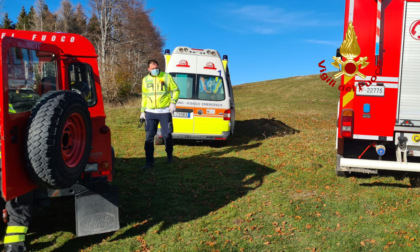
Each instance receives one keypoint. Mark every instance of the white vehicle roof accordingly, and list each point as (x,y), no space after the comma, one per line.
(195,61)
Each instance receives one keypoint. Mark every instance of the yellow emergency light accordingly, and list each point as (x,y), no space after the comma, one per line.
(416,138)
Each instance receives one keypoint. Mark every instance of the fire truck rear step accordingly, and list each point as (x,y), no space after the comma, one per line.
(346,163)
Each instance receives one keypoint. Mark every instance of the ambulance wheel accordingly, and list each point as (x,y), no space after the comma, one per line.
(158,140)
(59,139)
(415,181)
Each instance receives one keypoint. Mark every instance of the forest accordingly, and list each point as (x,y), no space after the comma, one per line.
(121,31)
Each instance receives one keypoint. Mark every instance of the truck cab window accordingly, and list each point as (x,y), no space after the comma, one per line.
(31,74)
(82,82)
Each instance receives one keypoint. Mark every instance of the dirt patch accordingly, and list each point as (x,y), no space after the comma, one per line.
(260,129)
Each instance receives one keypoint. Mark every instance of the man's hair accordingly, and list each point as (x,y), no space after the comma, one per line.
(152,61)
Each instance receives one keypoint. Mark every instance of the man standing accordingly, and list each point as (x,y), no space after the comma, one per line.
(159,96)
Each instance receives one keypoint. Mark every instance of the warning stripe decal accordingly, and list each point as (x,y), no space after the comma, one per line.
(349,96)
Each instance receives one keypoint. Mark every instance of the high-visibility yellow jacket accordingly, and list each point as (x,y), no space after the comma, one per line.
(157,90)
(11,109)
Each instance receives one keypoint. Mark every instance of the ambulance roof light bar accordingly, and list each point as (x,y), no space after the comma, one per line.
(183,49)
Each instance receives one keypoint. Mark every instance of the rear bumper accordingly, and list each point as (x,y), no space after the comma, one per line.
(369,166)
(223,136)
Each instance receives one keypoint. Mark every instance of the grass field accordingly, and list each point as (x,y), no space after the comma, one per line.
(271,188)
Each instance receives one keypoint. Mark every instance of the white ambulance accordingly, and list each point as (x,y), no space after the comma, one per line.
(206,108)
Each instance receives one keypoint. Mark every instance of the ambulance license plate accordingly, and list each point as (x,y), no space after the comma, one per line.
(182,114)
(371,91)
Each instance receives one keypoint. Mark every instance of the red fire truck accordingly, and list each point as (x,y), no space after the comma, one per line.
(52,126)
(378,128)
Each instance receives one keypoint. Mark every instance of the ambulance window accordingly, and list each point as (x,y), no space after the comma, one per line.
(30,74)
(185,84)
(82,82)
(210,88)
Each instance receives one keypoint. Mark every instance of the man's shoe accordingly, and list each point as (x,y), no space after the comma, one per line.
(148,166)
(15,247)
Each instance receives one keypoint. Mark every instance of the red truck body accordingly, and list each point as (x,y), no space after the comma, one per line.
(27,58)
(379,121)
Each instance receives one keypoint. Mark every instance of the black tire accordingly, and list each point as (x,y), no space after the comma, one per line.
(158,140)
(59,139)
(415,181)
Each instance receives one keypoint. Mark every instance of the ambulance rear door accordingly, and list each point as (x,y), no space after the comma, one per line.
(212,96)
(182,69)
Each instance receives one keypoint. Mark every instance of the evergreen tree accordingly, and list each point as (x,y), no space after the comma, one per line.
(7,23)
(50,20)
(31,18)
(22,22)
(93,30)
(44,20)
(66,21)
(81,24)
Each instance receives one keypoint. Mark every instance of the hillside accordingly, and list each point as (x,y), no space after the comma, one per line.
(272,188)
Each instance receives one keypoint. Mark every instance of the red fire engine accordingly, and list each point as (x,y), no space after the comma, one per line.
(52,125)
(378,128)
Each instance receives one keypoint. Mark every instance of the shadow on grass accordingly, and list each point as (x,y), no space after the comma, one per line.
(385,185)
(169,194)
(249,130)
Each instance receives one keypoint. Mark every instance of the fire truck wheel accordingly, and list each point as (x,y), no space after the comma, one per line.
(415,181)
(59,139)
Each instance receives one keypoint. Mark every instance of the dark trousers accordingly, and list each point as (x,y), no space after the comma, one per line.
(152,121)
(20,210)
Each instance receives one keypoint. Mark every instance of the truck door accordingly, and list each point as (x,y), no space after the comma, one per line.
(409,89)
(24,72)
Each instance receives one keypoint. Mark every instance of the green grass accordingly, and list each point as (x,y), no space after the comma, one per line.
(272,188)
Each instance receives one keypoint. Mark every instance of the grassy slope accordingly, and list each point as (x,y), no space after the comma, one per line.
(258,193)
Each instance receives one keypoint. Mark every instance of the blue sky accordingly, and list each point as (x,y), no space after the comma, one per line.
(264,40)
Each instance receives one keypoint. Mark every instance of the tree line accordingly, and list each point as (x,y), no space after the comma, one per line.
(121,31)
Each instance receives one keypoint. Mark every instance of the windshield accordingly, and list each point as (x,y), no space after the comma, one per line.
(30,74)
(200,87)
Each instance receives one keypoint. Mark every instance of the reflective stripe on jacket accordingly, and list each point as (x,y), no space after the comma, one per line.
(157,91)
(11,109)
